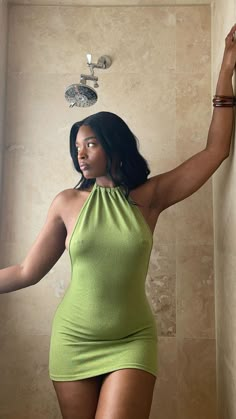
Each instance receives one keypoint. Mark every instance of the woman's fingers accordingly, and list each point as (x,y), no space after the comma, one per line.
(232,34)
(229,58)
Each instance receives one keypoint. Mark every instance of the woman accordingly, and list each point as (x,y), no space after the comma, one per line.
(103,346)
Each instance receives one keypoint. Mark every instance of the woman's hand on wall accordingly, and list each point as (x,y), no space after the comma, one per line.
(229,58)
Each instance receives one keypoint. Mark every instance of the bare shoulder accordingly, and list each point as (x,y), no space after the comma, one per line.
(66,198)
(60,201)
(71,193)
(69,203)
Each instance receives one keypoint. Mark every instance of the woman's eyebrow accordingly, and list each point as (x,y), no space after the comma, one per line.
(86,139)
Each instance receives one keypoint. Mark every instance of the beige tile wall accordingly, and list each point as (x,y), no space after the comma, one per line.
(224,201)
(3,56)
(159,83)
(112,2)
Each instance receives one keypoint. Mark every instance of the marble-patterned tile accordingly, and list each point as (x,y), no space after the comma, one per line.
(60,38)
(3,65)
(165,231)
(192,3)
(160,287)
(42,300)
(3,62)
(155,133)
(196,385)
(164,403)
(224,203)
(25,379)
(224,207)
(195,291)
(193,39)
(24,220)
(152,128)
(194,224)
(225,294)
(225,381)
(193,113)
(44,107)
(113,2)
(155,127)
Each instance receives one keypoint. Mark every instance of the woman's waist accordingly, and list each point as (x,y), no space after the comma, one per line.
(105,320)
(76,330)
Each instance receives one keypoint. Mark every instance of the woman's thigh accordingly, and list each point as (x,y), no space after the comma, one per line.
(126,394)
(78,399)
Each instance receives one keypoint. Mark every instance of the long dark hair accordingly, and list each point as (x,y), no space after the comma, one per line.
(117,140)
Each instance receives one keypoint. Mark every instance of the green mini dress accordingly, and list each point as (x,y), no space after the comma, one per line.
(104,321)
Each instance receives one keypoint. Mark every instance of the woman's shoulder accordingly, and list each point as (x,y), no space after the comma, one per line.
(64,195)
(70,194)
(67,197)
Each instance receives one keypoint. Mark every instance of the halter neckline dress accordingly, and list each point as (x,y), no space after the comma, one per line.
(104,321)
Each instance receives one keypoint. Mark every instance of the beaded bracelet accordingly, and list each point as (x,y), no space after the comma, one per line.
(224,101)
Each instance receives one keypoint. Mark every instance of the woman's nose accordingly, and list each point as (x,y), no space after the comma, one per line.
(82,153)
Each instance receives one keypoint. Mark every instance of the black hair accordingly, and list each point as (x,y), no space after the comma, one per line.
(117,140)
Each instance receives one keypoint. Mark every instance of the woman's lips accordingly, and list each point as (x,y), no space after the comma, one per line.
(84,167)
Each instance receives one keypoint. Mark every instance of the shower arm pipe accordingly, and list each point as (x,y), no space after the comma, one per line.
(85,77)
(103,62)
(92,66)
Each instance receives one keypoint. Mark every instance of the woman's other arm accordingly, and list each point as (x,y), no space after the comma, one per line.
(45,252)
(174,186)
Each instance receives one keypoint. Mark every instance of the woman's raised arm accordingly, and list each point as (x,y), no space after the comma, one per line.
(47,249)
(174,186)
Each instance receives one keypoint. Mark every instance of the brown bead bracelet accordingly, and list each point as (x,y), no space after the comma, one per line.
(224,101)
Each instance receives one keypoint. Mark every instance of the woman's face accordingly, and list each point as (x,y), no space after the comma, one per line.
(91,156)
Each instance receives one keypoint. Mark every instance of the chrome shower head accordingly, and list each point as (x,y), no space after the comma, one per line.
(81,95)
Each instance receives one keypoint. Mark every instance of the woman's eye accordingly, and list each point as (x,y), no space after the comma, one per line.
(88,145)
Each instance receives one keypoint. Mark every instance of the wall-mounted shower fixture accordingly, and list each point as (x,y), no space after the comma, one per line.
(81,94)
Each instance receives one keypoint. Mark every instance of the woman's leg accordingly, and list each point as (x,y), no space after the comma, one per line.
(78,399)
(126,394)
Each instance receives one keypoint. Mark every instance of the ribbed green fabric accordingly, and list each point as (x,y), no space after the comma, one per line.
(104,321)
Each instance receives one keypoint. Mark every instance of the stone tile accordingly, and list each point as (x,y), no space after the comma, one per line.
(24,220)
(193,113)
(160,288)
(113,3)
(47,110)
(155,133)
(224,207)
(36,304)
(24,379)
(193,2)
(58,44)
(224,202)
(164,403)
(193,47)
(165,231)
(194,224)
(195,291)
(226,380)
(196,372)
